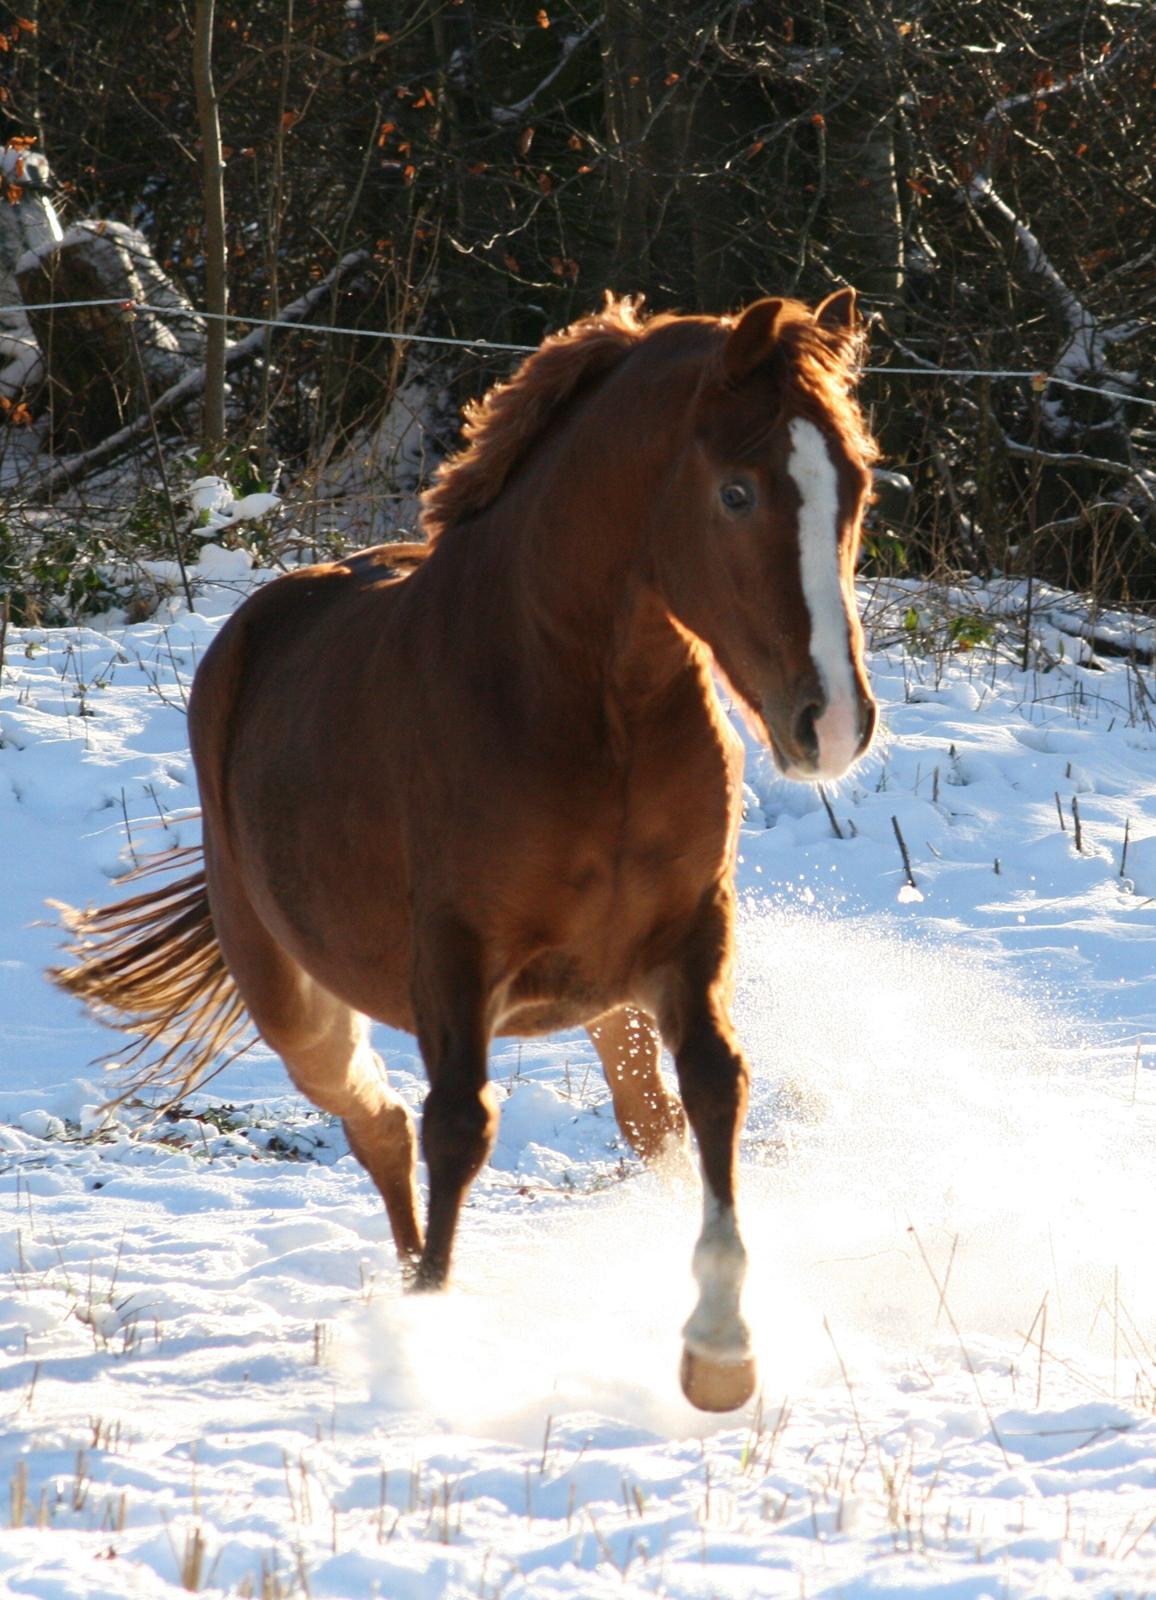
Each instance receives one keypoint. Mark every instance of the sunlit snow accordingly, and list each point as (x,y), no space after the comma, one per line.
(212,1380)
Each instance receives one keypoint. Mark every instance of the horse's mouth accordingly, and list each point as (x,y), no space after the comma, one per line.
(823,749)
(800,769)
(792,763)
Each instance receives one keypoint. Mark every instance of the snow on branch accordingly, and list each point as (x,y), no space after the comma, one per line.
(1082,355)
(1086,79)
(1084,348)
(572,41)
(1144,480)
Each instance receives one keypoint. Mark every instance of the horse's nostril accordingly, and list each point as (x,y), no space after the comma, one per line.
(868,719)
(806,734)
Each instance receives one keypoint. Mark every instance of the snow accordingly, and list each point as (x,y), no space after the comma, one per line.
(216,506)
(365,492)
(27,219)
(211,1380)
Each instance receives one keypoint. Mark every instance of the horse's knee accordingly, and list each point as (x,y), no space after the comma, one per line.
(396,1124)
(378,1118)
(458,1129)
(713,1076)
(654,1123)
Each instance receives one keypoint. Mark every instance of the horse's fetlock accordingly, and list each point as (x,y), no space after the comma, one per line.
(717,1331)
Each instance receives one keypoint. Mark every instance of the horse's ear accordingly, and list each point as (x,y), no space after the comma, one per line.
(837,313)
(750,339)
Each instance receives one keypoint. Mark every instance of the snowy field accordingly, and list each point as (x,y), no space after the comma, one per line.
(211,1382)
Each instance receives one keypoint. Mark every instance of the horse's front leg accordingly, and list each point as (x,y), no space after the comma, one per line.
(718,1369)
(460,1116)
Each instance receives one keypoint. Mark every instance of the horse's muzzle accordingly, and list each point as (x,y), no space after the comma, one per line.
(818,740)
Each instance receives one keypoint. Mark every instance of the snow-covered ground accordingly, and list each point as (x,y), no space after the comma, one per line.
(211,1381)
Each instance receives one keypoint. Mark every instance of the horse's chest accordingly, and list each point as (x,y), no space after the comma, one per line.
(617,896)
(663,864)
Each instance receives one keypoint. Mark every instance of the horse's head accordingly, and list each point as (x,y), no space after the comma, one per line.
(760,529)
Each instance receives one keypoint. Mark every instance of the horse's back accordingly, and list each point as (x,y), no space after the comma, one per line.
(293,615)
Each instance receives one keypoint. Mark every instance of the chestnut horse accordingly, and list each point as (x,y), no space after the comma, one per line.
(484,785)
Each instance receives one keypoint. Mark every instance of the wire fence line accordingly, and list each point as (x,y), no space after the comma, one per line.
(1039,379)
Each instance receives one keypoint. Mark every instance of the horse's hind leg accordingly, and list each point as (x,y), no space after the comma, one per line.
(629,1047)
(338,1071)
(325,1047)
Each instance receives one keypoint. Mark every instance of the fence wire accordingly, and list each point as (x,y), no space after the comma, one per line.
(1039,379)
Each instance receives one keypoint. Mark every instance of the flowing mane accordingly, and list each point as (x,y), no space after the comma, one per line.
(503,425)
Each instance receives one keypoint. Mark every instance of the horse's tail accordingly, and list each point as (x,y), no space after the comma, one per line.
(152,967)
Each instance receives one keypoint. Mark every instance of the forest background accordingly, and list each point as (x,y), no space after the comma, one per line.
(484,169)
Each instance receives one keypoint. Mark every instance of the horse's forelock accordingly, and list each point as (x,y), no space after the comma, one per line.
(504,424)
(814,370)
(820,371)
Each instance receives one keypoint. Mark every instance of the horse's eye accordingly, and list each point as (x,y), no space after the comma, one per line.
(737,494)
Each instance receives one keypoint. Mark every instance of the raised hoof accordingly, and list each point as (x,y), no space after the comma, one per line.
(717,1385)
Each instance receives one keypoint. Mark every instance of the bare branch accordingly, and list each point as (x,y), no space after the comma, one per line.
(572,41)
(72,468)
(1145,481)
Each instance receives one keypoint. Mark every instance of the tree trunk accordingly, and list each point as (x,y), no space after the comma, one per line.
(862,187)
(213,190)
(629,66)
(105,363)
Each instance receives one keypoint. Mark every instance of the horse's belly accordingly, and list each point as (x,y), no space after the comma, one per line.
(547,1016)
(554,991)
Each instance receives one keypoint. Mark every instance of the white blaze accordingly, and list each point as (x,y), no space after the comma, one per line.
(813,474)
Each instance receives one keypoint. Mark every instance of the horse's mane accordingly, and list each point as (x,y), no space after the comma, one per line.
(501,427)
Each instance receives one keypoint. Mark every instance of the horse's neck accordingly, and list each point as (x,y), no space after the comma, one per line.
(578,523)
(659,683)
(611,662)
(561,559)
